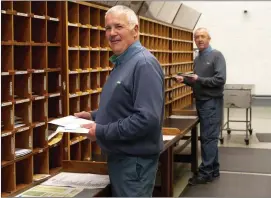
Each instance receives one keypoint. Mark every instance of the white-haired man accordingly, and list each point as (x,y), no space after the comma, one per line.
(128,122)
(208,86)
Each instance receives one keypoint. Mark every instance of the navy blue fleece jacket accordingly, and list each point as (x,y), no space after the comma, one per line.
(210,66)
(130,114)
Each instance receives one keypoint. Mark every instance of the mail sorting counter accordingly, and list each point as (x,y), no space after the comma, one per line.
(238,96)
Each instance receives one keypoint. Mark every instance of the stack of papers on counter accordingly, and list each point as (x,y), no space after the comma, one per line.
(83,180)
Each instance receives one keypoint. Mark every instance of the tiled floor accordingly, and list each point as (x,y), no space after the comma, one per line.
(261,123)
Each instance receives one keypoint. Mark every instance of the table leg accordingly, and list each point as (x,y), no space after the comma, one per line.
(167,173)
(194,150)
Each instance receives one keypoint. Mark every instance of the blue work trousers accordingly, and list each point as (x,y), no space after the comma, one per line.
(132,176)
(210,115)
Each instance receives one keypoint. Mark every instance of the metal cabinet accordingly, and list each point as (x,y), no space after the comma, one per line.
(238,96)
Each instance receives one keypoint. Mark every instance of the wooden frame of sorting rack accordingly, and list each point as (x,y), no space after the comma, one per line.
(87,63)
(31,55)
(173,47)
(60,70)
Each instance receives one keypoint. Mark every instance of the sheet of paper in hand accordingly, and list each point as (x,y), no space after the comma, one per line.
(70,124)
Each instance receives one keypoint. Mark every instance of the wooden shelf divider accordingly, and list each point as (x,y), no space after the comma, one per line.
(32,93)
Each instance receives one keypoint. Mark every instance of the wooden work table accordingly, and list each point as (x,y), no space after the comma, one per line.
(179,127)
(171,152)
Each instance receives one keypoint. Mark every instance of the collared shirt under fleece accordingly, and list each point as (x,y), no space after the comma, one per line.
(130,114)
(210,66)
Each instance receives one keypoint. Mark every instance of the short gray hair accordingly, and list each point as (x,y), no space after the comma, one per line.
(121,9)
(203,29)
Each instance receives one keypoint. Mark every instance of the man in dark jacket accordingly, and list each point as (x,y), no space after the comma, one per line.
(208,86)
(128,122)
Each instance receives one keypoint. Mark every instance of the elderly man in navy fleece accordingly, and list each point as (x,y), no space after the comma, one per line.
(128,122)
(208,86)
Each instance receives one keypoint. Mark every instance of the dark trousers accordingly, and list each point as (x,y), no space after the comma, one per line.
(210,115)
(132,176)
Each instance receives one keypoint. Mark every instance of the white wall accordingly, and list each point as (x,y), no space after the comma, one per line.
(244,39)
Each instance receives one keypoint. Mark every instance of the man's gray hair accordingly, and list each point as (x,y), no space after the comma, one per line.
(203,29)
(121,9)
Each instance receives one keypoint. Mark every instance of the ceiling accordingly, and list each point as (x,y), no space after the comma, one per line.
(171,12)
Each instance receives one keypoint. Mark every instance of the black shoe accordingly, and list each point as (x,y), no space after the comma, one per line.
(216,175)
(192,178)
(198,180)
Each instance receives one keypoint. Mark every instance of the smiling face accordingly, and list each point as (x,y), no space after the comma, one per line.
(202,39)
(119,33)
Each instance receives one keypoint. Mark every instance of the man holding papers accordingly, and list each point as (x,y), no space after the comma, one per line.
(128,123)
(208,86)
